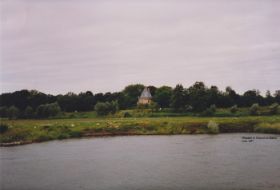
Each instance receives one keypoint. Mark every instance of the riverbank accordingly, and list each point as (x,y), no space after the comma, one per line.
(30,131)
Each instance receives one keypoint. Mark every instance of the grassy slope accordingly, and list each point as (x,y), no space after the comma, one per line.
(43,130)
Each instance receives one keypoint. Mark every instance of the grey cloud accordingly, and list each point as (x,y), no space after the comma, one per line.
(60,46)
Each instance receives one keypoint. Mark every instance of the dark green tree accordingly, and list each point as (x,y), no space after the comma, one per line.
(28,112)
(163,96)
(199,99)
(178,98)
(131,94)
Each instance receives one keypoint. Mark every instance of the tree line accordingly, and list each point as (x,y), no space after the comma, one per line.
(198,98)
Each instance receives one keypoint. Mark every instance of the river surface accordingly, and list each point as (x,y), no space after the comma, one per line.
(195,162)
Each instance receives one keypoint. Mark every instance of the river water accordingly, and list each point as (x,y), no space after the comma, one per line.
(195,162)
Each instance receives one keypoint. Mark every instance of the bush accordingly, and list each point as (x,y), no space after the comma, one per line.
(233,109)
(105,108)
(254,109)
(3,128)
(127,114)
(13,112)
(188,108)
(154,106)
(28,112)
(213,127)
(273,109)
(48,110)
(114,107)
(142,106)
(210,111)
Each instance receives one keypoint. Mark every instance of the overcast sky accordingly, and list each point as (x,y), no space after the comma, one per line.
(57,46)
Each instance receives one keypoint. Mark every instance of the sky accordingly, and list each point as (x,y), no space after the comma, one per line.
(58,46)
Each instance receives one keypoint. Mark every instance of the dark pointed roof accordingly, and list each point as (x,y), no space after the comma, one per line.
(146,93)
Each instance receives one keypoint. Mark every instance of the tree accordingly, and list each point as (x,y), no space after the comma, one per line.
(3,128)
(268,98)
(3,111)
(38,98)
(277,96)
(131,94)
(53,109)
(13,112)
(152,90)
(199,98)
(163,96)
(178,98)
(68,102)
(250,97)
(85,101)
(28,112)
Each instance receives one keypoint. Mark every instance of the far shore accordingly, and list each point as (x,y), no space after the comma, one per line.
(22,132)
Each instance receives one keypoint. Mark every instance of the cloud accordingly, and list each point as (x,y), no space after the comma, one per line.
(60,46)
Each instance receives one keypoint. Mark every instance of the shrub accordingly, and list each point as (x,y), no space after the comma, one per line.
(105,108)
(154,106)
(188,108)
(114,107)
(213,127)
(273,109)
(233,109)
(48,110)
(142,106)
(28,112)
(13,112)
(210,111)
(3,128)
(102,108)
(127,114)
(254,109)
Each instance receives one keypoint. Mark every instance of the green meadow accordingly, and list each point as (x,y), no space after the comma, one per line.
(78,125)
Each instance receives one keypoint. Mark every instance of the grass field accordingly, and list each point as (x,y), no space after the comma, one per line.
(220,112)
(27,131)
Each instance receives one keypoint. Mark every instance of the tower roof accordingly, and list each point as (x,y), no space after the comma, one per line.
(146,93)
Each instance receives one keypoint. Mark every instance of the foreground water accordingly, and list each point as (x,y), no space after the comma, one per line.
(194,162)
